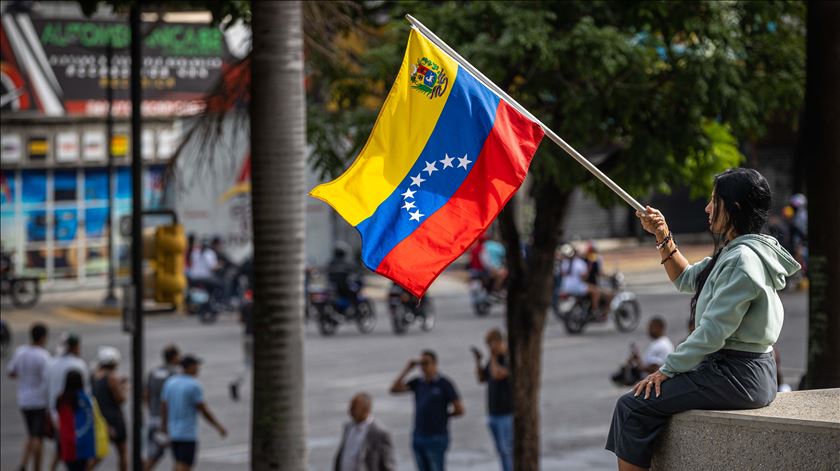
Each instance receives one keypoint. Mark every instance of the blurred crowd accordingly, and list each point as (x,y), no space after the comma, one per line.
(79,408)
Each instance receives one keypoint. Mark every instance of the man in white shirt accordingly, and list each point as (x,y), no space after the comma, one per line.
(638,367)
(658,349)
(573,272)
(60,366)
(204,263)
(28,367)
(365,446)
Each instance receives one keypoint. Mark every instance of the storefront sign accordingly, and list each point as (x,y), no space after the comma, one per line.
(12,148)
(39,147)
(119,145)
(93,146)
(68,73)
(67,147)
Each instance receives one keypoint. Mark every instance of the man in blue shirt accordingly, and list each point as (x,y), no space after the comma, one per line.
(181,400)
(433,396)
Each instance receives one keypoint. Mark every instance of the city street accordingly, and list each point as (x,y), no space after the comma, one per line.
(161,159)
(577,396)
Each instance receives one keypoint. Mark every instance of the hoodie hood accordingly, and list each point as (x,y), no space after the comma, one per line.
(778,262)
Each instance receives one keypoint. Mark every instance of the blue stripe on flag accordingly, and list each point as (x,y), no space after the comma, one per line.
(463,126)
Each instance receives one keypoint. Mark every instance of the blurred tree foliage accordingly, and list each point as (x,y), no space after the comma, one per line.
(664,89)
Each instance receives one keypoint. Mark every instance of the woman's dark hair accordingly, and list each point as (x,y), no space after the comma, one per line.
(73,383)
(744,196)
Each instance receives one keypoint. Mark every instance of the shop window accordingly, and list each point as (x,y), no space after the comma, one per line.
(124,183)
(34,186)
(96,260)
(96,184)
(66,223)
(64,185)
(96,221)
(36,225)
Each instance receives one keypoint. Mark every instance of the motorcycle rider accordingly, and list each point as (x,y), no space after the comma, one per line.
(574,272)
(227,271)
(595,266)
(493,259)
(340,273)
(204,265)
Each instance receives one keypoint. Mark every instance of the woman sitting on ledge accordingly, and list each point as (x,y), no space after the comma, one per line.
(727,362)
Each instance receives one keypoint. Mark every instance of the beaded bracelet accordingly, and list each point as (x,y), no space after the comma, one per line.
(670,236)
(669,256)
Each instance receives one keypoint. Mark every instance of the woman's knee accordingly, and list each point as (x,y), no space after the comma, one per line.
(628,402)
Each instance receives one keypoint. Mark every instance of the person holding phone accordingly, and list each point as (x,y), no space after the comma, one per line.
(436,400)
(496,374)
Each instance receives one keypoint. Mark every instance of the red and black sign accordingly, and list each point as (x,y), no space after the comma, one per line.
(59,66)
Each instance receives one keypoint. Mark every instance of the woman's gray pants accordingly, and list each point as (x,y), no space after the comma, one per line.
(726,379)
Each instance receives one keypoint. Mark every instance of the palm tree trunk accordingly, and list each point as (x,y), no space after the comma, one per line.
(278,144)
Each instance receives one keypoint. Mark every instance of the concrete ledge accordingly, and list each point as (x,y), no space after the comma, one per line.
(800,430)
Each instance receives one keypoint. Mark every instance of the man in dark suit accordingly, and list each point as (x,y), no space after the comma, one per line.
(365,446)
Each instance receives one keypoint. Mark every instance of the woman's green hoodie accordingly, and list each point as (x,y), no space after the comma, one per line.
(738,308)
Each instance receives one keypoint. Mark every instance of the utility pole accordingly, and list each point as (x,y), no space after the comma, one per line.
(136,239)
(110,298)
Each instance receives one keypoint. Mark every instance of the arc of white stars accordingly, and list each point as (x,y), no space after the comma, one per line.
(417,180)
(464,161)
(416,215)
(430,167)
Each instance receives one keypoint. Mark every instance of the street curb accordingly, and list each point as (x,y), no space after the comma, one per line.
(99,311)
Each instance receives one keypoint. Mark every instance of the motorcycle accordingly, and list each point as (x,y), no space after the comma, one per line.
(199,302)
(406,309)
(236,282)
(333,310)
(576,311)
(483,294)
(24,291)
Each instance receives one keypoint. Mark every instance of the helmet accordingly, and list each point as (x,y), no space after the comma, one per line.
(567,250)
(108,356)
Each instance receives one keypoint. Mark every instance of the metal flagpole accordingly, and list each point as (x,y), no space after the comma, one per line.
(548,132)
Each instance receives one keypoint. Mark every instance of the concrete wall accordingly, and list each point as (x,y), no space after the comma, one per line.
(799,431)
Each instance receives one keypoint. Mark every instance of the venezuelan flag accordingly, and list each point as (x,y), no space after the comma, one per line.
(82,430)
(445,156)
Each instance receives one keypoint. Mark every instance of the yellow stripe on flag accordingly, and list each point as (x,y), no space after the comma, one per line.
(405,123)
(100,431)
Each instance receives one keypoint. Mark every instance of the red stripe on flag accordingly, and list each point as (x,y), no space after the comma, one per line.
(498,172)
(67,431)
